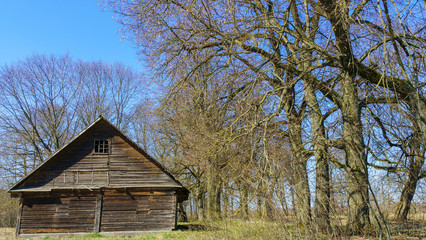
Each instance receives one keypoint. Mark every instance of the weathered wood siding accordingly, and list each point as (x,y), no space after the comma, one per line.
(119,210)
(138,211)
(55,214)
(78,166)
(78,190)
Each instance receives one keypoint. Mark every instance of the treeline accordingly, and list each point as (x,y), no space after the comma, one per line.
(46,100)
(258,93)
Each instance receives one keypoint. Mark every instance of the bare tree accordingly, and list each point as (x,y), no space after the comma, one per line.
(37,95)
(45,100)
(111,90)
(316,57)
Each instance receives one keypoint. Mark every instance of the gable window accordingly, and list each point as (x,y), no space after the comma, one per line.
(101,146)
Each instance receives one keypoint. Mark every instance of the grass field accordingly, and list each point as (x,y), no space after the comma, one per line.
(239,229)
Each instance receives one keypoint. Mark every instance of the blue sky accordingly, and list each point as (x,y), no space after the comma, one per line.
(77,27)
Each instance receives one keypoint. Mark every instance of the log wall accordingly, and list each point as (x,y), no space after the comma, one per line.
(57,214)
(138,211)
(105,211)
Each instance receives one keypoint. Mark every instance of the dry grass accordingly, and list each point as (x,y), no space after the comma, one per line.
(236,229)
(255,229)
(7,233)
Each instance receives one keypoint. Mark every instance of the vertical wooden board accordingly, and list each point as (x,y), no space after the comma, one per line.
(176,209)
(98,211)
(19,215)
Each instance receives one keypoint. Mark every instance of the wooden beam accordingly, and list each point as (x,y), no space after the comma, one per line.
(98,211)
(176,210)
(18,221)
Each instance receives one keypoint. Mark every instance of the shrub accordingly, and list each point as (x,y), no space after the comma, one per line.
(8,210)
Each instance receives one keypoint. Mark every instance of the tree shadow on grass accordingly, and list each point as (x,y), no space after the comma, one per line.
(409,229)
(196,227)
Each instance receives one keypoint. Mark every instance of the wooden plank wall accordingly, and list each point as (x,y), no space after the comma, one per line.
(58,214)
(111,211)
(138,211)
(78,165)
(59,208)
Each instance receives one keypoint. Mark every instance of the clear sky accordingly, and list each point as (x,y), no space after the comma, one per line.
(77,27)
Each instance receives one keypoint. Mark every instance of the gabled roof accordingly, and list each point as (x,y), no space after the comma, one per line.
(52,158)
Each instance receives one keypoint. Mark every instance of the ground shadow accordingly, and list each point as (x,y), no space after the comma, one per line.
(409,228)
(195,227)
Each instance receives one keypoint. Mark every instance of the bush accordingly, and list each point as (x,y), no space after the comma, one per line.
(8,210)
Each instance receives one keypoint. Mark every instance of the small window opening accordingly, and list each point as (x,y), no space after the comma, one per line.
(101,146)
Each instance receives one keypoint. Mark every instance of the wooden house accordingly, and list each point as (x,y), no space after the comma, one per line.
(101,181)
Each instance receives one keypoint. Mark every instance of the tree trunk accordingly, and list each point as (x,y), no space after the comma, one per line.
(356,159)
(301,186)
(225,198)
(299,158)
(182,213)
(322,196)
(200,202)
(298,162)
(414,170)
(259,204)
(357,175)
(322,188)
(406,198)
(244,201)
(217,204)
(269,209)
(212,185)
